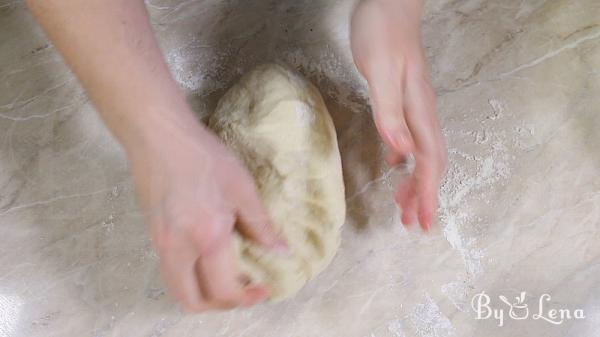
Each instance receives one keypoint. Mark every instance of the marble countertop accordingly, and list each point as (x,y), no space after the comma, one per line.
(518,86)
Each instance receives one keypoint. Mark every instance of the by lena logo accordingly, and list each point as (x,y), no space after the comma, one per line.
(519,310)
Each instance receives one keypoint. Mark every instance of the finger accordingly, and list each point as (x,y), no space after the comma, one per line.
(386,90)
(424,125)
(407,199)
(254,223)
(177,268)
(218,275)
(428,185)
(422,119)
(409,211)
(253,293)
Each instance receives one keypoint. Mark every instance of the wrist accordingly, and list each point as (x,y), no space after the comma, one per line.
(154,127)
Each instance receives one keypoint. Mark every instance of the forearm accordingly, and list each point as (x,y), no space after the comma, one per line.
(408,13)
(380,25)
(111,48)
(412,7)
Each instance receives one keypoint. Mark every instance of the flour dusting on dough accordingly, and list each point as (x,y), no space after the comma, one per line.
(304,114)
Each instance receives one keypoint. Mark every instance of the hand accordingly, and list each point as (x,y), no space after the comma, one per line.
(193,192)
(191,189)
(386,46)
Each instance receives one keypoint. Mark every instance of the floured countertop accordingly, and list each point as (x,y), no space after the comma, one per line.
(517,86)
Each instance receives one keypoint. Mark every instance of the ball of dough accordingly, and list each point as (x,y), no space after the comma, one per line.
(277,124)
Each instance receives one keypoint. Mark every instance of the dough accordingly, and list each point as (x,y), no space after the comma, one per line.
(277,124)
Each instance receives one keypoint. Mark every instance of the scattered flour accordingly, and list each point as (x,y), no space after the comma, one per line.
(497,108)
(335,76)
(180,65)
(457,293)
(198,67)
(304,114)
(10,312)
(109,223)
(470,177)
(428,320)
(395,328)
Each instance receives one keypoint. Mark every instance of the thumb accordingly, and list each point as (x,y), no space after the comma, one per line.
(254,223)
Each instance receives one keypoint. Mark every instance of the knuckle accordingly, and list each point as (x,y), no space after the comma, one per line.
(202,226)
(185,220)
(215,223)
(212,229)
(203,236)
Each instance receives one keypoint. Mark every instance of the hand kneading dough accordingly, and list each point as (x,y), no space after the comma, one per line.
(277,124)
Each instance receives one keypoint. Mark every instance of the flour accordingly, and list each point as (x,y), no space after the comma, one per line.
(428,320)
(457,293)
(304,114)
(469,178)
(10,312)
(497,108)
(200,67)
(109,224)
(182,70)
(334,74)
(395,328)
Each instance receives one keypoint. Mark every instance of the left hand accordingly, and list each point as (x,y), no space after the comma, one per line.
(386,46)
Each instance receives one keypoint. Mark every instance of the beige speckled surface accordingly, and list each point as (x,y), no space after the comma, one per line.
(519,101)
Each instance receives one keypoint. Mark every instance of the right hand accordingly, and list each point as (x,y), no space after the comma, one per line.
(193,192)
(387,50)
